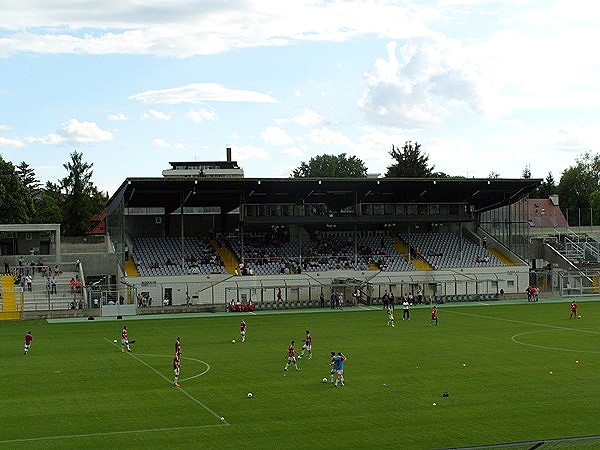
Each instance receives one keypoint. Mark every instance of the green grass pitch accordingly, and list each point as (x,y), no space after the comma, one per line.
(513,373)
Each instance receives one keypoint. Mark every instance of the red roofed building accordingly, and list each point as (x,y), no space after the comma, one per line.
(98,224)
(545,213)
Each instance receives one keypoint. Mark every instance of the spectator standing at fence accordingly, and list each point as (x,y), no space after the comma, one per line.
(279,295)
(6,267)
(53,285)
(322,300)
(386,300)
(28,280)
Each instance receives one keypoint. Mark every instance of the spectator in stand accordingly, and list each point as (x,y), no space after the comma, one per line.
(72,285)
(6,267)
(322,300)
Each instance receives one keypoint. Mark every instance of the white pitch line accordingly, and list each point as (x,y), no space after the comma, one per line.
(523,322)
(184,357)
(109,433)
(183,391)
(516,341)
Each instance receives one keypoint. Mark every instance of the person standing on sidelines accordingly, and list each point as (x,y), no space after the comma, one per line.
(307,346)
(28,339)
(573,309)
(176,368)
(434,316)
(243,330)
(124,340)
(405,310)
(178,346)
(338,365)
(291,357)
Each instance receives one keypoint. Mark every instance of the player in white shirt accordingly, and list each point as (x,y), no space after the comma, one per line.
(405,311)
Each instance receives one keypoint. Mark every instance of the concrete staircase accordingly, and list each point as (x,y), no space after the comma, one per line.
(227,256)
(9,300)
(418,262)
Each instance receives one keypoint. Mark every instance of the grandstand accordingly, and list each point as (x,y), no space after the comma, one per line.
(194,242)
(206,240)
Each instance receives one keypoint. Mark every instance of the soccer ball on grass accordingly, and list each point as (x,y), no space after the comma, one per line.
(114,341)
(324,380)
(249,394)
(233,341)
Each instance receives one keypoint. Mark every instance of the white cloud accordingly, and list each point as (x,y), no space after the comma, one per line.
(5,127)
(276,136)
(326,136)
(297,152)
(248,152)
(433,76)
(308,117)
(187,28)
(154,114)
(201,115)
(7,142)
(73,132)
(117,117)
(159,142)
(200,93)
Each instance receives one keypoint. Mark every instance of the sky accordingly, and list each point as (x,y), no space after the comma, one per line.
(484,86)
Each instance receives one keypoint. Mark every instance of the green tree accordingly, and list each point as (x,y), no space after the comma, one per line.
(81,199)
(410,162)
(526,172)
(494,175)
(595,205)
(48,205)
(331,166)
(15,200)
(546,188)
(577,184)
(28,178)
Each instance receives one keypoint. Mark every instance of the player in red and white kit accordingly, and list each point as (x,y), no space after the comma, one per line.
(178,346)
(291,357)
(573,309)
(307,346)
(176,367)
(124,340)
(243,330)
(28,339)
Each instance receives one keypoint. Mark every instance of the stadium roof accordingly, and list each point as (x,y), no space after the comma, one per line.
(483,194)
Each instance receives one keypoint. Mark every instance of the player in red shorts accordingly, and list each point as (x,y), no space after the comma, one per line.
(176,367)
(243,330)
(291,357)
(573,309)
(28,339)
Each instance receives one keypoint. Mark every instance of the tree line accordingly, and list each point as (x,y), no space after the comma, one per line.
(74,199)
(70,201)
(578,188)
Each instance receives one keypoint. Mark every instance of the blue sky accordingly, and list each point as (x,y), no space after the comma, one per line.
(484,86)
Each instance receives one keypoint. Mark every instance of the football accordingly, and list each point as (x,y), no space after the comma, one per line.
(233,341)
(249,394)
(579,317)
(324,380)
(115,341)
